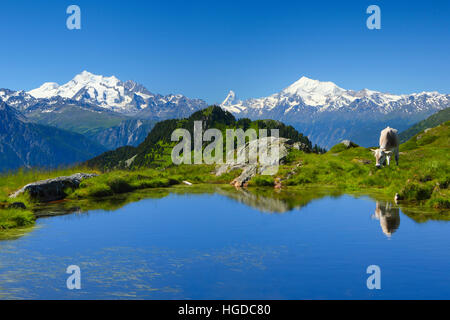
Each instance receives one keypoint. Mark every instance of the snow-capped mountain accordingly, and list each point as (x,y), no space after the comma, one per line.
(19,100)
(113,94)
(99,106)
(328,113)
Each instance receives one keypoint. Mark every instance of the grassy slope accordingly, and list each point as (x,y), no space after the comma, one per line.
(88,121)
(431,122)
(422,176)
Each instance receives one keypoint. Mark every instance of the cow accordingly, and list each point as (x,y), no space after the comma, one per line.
(389,143)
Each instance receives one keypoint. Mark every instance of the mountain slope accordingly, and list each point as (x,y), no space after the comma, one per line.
(155,150)
(127,133)
(25,144)
(431,122)
(329,114)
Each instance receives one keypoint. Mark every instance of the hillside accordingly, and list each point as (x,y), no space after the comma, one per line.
(156,148)
(430,122)
(25,144)
(129,132)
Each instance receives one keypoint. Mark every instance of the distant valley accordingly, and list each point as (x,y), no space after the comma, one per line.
(26,144)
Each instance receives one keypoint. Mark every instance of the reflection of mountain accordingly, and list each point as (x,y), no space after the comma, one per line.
(389,217)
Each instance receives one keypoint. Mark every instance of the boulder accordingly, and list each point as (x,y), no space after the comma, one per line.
(349,144)
(262,145)
(52,189)
(248,172)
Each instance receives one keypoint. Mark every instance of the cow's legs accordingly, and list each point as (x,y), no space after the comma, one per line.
(396,156)
(388,159)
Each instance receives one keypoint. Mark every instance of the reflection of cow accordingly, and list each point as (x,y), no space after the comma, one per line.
(389,217)
(389,143)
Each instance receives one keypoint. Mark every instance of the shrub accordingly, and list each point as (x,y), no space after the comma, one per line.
(119,185)
(338,148)
(13,218)
(99,190)
(439,203)
(417,191)
(262,181)
(151,183)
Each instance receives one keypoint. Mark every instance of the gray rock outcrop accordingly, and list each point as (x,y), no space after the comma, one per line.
(349,144)
(53,189)
(254,148)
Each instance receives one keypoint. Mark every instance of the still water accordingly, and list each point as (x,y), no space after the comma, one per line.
(217,246)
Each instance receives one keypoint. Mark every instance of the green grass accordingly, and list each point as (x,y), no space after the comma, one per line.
(10,182)
(15,218)
(262,181)
(433,121)
(124,181)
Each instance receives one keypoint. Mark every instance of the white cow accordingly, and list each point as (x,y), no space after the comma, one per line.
(389,143)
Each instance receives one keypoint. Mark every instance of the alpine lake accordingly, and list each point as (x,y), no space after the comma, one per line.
(215,242)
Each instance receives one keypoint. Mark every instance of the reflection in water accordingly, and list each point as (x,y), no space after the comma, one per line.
(389,217)
(192,243)
(268,201)
(263,199)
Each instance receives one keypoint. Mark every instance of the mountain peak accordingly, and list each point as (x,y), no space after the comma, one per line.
(88,77)
(313,92)
(110,93)
(305,84)
(230,99)
(305,79)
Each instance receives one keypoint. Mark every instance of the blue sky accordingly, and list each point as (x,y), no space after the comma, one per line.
(204,48)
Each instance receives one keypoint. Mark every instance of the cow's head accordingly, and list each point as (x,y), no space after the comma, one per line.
(380,156)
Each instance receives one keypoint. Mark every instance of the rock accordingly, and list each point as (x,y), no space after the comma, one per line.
(426,130)
(17,205)
(248,172)
(187,183)
(363,161)
(349,144)
(293,171)
(251,169)
(277,184)
(130,161)
(52,189)
(301,146)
